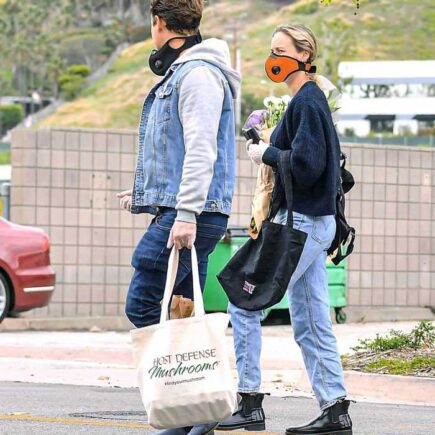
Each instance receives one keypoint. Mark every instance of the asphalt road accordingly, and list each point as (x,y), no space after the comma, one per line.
(33,409)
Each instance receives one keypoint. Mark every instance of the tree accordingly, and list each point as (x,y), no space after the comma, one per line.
(33,36)
(56,66)
(338,43)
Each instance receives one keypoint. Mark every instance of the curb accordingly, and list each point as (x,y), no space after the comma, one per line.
(122,324)
(113,323)
(384,388)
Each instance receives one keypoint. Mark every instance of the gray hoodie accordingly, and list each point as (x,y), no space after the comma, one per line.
(200,106)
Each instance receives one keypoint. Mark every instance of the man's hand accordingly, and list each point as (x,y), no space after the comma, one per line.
(125,199)
(183,235)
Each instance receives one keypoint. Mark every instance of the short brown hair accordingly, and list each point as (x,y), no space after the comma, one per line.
(181,16)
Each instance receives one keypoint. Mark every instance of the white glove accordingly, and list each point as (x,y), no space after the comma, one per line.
(256,151)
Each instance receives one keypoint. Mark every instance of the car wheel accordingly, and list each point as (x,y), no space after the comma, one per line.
(5,297)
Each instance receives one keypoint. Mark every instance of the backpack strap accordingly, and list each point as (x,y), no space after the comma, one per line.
(339,256)
(347,180)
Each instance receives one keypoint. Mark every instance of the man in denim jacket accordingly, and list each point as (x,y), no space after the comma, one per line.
(185,171)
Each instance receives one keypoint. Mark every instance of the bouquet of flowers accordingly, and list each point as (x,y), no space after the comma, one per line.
(269,117)
(265,120)
(332,94)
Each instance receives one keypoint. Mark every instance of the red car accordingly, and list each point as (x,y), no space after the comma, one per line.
(26,276)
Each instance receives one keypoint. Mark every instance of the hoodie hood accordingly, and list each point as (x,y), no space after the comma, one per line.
(216,52)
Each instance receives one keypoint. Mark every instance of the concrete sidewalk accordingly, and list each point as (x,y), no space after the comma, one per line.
(104,359)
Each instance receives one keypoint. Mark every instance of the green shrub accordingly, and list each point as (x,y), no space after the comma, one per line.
(5,157)
(401,366)
(10,116)
(72,82)
(70,86)
(79,70)
(422,336)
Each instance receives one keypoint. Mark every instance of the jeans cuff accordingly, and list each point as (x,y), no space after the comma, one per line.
(248,390)
(332,403)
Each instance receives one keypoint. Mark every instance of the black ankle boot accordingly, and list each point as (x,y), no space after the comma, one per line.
(333,421)
(249,414)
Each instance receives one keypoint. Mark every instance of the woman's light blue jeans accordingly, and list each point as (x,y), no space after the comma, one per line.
(310,317)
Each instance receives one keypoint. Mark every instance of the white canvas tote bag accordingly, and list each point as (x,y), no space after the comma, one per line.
(183,365)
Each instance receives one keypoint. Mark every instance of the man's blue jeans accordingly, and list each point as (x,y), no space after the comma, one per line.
(150,261)
(311,321)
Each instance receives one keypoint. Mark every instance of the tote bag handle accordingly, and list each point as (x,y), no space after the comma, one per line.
(284,171)
(171,277)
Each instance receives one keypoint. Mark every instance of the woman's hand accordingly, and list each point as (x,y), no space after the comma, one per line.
(125,199)
(256,151)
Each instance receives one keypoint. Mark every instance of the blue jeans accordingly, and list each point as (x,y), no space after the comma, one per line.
(311,321)
(150,261)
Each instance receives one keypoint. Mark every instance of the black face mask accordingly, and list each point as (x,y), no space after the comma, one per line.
(161,60)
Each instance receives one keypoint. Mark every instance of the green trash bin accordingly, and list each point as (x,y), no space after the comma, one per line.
(337,286)
(215,298)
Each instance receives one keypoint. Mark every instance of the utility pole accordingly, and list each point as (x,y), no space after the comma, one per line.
(236,60)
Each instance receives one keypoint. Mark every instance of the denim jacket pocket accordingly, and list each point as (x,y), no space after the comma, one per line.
(163,95)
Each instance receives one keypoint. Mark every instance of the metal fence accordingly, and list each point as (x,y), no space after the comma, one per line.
(411,141)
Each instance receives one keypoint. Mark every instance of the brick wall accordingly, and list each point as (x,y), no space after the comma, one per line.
(65,182)
(392,208)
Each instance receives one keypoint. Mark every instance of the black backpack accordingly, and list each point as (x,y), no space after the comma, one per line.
(344,239)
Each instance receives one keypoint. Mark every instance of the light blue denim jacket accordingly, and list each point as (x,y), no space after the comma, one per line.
(161,152)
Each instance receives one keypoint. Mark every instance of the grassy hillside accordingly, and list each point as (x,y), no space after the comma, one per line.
(115,100)
(381,30)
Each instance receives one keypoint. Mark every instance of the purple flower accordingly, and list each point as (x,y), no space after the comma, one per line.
(256,119)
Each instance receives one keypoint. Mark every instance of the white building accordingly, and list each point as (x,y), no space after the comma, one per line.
(387,97)
(5,173)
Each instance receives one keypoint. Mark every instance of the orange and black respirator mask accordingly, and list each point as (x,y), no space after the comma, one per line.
(280,67)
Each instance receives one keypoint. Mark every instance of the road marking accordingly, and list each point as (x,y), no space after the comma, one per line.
(73,421)
(243,432)
(98,423)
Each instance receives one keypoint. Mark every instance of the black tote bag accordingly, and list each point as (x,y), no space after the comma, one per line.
(258,274)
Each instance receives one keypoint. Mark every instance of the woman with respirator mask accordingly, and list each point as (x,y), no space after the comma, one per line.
(307,134)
